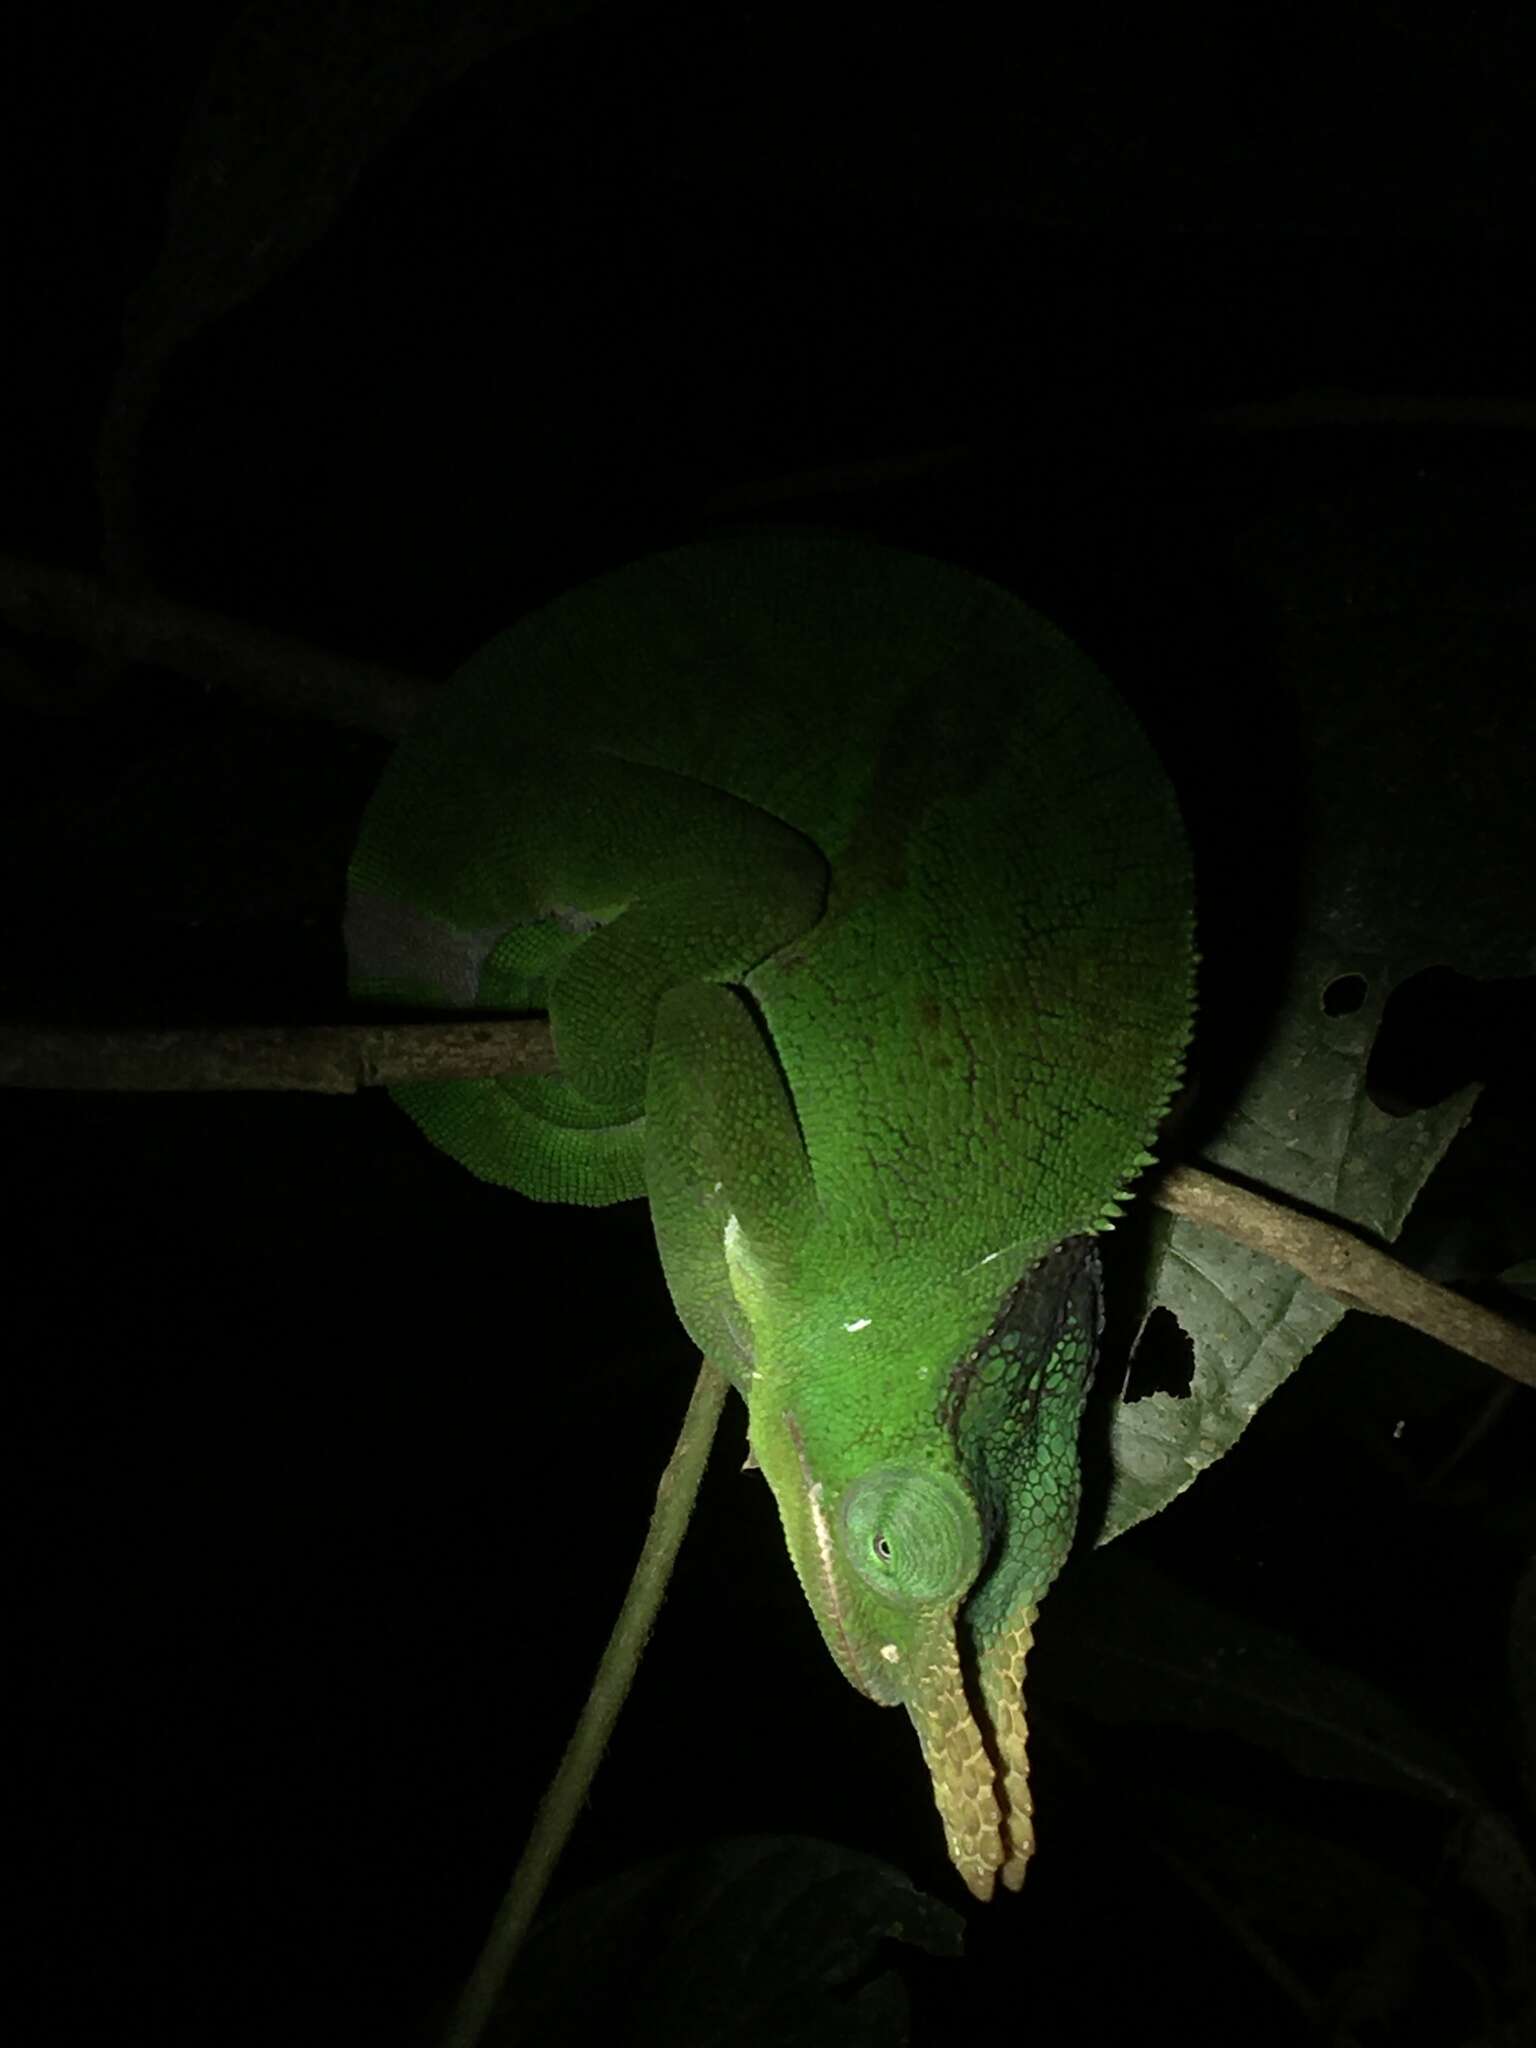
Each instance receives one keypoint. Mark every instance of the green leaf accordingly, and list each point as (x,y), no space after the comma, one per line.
(300,96)
(755,1941)
(1186,1660)
(1400,661)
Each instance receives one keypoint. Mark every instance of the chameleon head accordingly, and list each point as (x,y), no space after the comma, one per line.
(887,1557)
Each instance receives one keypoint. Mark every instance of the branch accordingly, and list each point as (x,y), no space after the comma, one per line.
(314,1059)
(562,1803)
(339,1059)
(1333,1258)
(206,647)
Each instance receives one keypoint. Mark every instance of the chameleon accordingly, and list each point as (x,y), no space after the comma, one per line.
(862,914)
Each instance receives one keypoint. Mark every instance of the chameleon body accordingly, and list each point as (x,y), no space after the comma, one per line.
(861,913)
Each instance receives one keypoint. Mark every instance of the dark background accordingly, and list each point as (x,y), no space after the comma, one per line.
(330,1464)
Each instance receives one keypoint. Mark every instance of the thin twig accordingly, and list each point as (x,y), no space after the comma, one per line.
(561,1804)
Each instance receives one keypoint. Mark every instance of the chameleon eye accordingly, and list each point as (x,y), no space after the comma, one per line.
(912,1536)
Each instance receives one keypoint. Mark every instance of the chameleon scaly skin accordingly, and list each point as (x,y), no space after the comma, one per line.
(862,915)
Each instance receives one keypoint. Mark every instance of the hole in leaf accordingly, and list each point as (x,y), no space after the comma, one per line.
(1163,1361)
(1441,1030)
(1344,995)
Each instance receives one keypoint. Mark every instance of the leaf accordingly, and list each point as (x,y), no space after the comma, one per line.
(754,1941)
(299,97)
(1198,1665)
(1363,1943)
(1492,1863)
(1403,665)
(1361,1921)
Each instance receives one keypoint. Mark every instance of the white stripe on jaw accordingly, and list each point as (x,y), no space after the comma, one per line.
(826,1554)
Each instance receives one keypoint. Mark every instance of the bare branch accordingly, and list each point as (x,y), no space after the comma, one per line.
(339,1059)
(323,1059)
(571,1787)
(1352,1271)
(206,647)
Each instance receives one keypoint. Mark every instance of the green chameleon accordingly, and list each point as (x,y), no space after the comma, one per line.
(861,913)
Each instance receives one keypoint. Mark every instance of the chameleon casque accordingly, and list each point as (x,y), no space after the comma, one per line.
(862,915)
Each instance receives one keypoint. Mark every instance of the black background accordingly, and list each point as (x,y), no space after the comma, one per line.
(330,1465)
